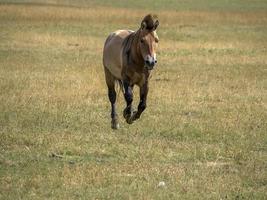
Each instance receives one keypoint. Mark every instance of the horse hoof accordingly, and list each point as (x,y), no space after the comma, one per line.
(131,118)
(126,115)
(115,124)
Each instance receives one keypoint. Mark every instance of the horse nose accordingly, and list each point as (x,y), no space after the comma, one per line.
(150,62)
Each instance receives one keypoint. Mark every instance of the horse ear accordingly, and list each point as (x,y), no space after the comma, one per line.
(143,25)
(156,24)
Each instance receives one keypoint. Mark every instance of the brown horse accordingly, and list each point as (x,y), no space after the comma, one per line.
(128,58)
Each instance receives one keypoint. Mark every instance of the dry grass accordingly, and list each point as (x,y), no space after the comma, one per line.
(203,133)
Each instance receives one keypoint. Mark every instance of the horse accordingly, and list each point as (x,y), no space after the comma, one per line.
(128,58)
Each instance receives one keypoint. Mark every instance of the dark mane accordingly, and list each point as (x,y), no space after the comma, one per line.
(129,44)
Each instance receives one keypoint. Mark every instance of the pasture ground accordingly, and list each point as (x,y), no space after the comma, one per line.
(203,133)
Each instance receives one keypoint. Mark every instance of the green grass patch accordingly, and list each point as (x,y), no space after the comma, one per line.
(203,133)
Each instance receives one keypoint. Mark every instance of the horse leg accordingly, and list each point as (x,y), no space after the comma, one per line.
(110,80)
(142,103)
(128,95)
(114,116)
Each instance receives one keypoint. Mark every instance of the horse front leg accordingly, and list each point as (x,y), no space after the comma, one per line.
(142,104)
(128,95)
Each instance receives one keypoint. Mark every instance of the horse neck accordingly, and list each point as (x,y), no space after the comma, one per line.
(135,52)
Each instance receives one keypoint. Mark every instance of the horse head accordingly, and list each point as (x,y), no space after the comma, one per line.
(148,40)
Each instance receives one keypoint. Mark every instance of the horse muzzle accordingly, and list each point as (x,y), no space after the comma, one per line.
(150,62)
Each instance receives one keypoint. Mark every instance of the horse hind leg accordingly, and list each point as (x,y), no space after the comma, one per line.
(110,81)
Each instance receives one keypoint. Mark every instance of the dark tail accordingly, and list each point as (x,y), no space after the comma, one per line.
(121,86)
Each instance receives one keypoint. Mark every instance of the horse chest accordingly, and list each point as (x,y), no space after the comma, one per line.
(137,78)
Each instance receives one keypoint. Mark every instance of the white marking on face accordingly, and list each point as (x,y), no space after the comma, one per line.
(155,56)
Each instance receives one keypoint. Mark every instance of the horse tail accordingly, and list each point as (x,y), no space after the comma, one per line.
(120,83)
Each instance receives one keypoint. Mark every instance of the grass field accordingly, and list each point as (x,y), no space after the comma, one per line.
(204,133)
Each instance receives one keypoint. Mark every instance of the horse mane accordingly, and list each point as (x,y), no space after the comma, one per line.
(128,43)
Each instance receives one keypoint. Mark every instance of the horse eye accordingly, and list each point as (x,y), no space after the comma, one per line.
(156,40)
(142,41)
